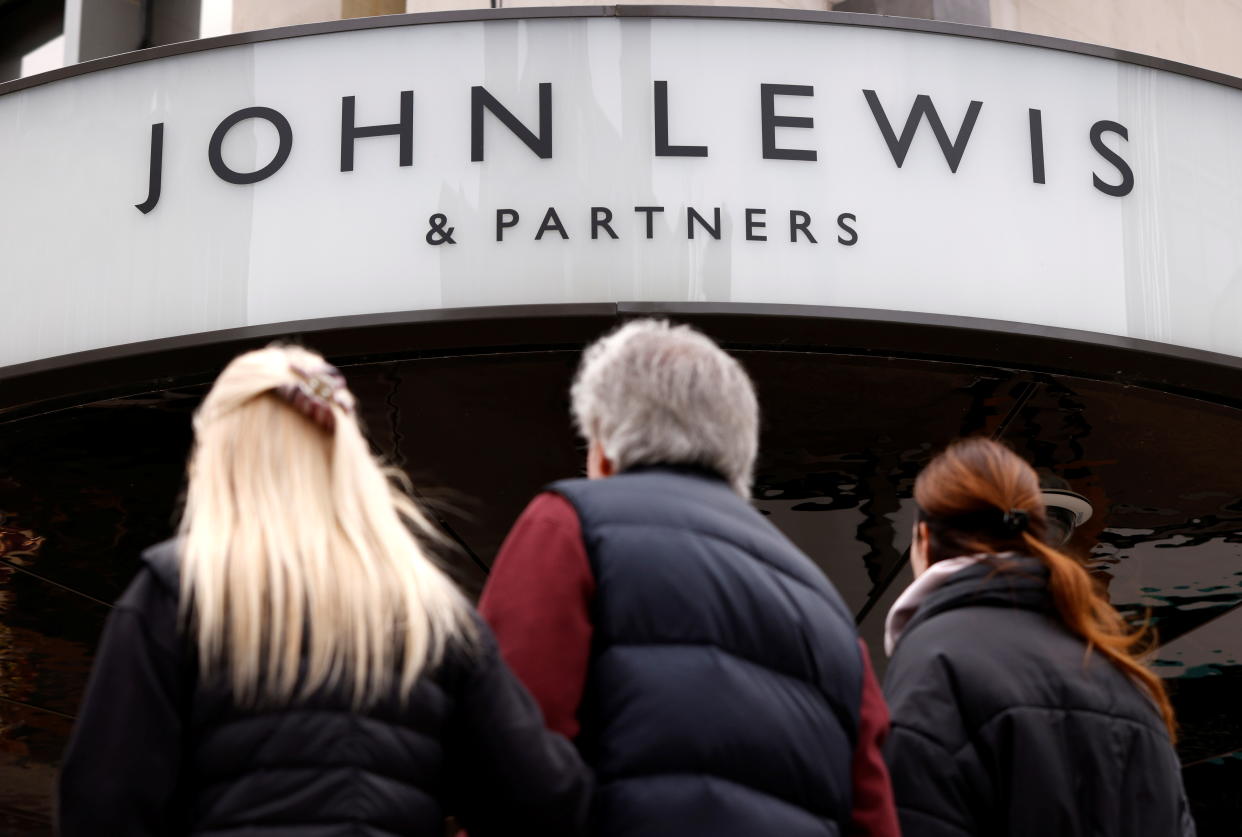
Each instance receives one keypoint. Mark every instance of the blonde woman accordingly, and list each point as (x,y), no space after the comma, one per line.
(294,663)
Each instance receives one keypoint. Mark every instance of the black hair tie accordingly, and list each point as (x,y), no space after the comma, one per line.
(1008,524)
(1016,521)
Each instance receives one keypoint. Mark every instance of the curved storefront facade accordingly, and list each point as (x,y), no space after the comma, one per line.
(907,231)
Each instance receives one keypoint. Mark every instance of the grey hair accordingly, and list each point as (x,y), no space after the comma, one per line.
(651,393)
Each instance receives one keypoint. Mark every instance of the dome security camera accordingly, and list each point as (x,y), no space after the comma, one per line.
(1066,511)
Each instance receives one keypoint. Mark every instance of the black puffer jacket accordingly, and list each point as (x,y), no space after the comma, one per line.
(156,750)
(1004,727)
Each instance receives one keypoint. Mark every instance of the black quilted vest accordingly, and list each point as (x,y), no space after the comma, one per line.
(320,769)
(724,687)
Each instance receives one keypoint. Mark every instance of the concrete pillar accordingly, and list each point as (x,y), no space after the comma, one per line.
(98,28)
(369,8)
(1203,33)
(173,21)
(446,5)
(95,28)
(977,12)
(249,15)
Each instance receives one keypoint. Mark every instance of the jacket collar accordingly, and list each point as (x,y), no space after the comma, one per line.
(1009,580)
(693,470)
(912,598)
(164,559)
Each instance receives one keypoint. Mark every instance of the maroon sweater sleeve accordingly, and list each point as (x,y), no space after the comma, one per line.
(537,600)
(875,812)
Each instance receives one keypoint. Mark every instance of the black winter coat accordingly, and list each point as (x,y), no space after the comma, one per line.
(157,750)
(1004,727)
(724,687)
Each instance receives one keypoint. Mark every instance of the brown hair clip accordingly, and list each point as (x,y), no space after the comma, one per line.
(315,392)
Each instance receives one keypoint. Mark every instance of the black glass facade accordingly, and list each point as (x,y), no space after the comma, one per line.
(85,487)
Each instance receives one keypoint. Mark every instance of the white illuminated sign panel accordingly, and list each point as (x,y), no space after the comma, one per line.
(618,159)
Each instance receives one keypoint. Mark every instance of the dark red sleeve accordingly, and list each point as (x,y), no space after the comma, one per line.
(875,813)
(537,600)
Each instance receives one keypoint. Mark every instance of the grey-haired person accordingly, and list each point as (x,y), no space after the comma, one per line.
(705,667)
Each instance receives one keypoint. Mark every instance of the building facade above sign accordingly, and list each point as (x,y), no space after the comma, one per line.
(546,160)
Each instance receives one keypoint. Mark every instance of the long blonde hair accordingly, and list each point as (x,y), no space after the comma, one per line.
(299,567)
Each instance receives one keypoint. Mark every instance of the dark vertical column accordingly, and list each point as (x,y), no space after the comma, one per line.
(99,28)
(26,25)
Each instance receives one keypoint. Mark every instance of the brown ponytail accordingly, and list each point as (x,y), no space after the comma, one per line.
(978,480)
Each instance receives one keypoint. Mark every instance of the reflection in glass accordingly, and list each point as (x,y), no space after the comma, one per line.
(83,490)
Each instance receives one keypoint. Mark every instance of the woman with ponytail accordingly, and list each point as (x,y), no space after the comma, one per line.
(295,663)
(1019,708)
